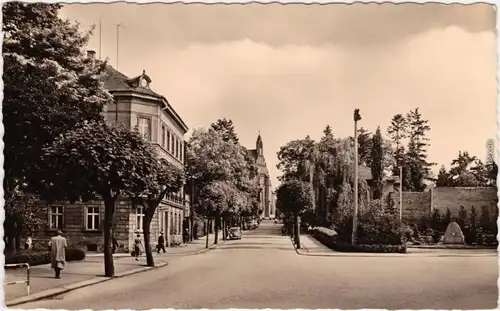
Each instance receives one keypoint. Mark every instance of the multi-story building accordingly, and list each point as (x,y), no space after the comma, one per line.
(266,201)
(138,107)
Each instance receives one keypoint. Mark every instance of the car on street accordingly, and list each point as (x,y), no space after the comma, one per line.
(234,233)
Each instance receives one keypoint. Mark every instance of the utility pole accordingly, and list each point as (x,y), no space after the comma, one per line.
(117,43)
(357,117)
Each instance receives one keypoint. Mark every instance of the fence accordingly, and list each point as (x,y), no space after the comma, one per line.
(27,281)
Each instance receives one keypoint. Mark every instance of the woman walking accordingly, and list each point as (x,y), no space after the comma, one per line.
(137,246)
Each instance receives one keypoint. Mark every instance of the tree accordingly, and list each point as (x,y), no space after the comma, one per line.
(297,160)
(485,218)
(165,178)
(377,165)
(443,179)
(226,128)
(462,217)
(364,146)
(295,197)
(447,217)
(398,132)
(416,156)
(49,87)
(213,160)
(473,216)
(96,160)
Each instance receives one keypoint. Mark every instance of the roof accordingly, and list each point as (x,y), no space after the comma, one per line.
(115,81)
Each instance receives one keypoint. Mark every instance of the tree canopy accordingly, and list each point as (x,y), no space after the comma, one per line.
(295,196)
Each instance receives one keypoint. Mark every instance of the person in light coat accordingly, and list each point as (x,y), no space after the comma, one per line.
(58,246)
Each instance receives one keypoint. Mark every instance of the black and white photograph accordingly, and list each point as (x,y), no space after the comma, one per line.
(250,155)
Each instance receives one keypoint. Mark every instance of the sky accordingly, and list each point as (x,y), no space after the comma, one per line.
(289,70)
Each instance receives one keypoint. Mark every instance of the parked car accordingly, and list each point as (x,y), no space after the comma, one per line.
(234,233)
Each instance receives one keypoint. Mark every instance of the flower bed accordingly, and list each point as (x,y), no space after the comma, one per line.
(35,258)
(330,239)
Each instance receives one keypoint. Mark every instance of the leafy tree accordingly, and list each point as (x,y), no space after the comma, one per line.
(165,178)
(212,159)
(297,159)
(295,197)
(97,160)
(416,156)
(473,216)
(49,87)
(436,221)
(462,217)
(377,165)
(364,146)
(226,128)
(443,179)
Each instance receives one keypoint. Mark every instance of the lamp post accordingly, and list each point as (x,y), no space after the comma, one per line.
(401,193)
(357,117)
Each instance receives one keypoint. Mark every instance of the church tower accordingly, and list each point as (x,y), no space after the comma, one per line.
(259,146)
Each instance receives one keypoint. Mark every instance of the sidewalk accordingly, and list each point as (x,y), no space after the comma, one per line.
(87,272)
(312,247)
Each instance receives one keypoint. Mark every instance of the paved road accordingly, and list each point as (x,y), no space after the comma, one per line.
(263,271)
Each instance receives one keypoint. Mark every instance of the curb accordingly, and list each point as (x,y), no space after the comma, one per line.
(70,287)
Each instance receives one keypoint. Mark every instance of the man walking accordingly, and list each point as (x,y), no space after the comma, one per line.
(58,246)
(161,243)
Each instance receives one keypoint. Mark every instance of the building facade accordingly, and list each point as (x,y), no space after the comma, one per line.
(266,200)
(137,107)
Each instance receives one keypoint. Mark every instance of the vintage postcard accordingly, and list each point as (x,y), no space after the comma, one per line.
(284,156)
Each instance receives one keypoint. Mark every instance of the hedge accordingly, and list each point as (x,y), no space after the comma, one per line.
(43,257)
(330,239)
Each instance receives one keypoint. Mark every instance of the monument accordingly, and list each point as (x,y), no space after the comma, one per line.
(453,234)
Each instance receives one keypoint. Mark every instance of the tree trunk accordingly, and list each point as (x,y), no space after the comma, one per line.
(224,225)
(216,228)
(146,223)
(109,210)
(206,231)
(297,231)
(191,228)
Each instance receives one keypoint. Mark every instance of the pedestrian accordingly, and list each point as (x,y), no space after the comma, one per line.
(115,241)
(137,246)
(58,246)
(28,243)
(161,243)
(186,235)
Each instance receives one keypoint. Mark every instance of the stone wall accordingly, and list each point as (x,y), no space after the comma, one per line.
(455,198)
(417,205)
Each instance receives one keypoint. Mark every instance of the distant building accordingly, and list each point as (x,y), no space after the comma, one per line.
(137,107)
(266,201)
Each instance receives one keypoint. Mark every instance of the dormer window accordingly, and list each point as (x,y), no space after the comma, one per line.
(143,80)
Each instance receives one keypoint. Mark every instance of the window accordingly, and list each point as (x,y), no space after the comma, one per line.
(139,217)
(168,141)
(178,149)
(171,224)
(93,217)
(144,125)
(180,222)
(181,155)
(163,136)
(56,217)
(171,143)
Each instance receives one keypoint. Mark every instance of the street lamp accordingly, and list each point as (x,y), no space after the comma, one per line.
(357,117)
(401,193)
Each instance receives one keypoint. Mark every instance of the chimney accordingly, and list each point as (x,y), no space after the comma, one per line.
(91,56)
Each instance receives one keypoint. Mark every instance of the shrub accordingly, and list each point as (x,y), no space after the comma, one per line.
(36,258)
(377,226)
(331,239)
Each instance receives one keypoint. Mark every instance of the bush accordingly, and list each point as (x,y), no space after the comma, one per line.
(35,258)
(379,227)
(331,239)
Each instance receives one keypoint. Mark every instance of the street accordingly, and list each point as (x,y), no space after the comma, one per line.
(263,271)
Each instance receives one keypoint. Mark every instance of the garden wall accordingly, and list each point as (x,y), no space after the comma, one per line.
(417,205)
(455,198)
